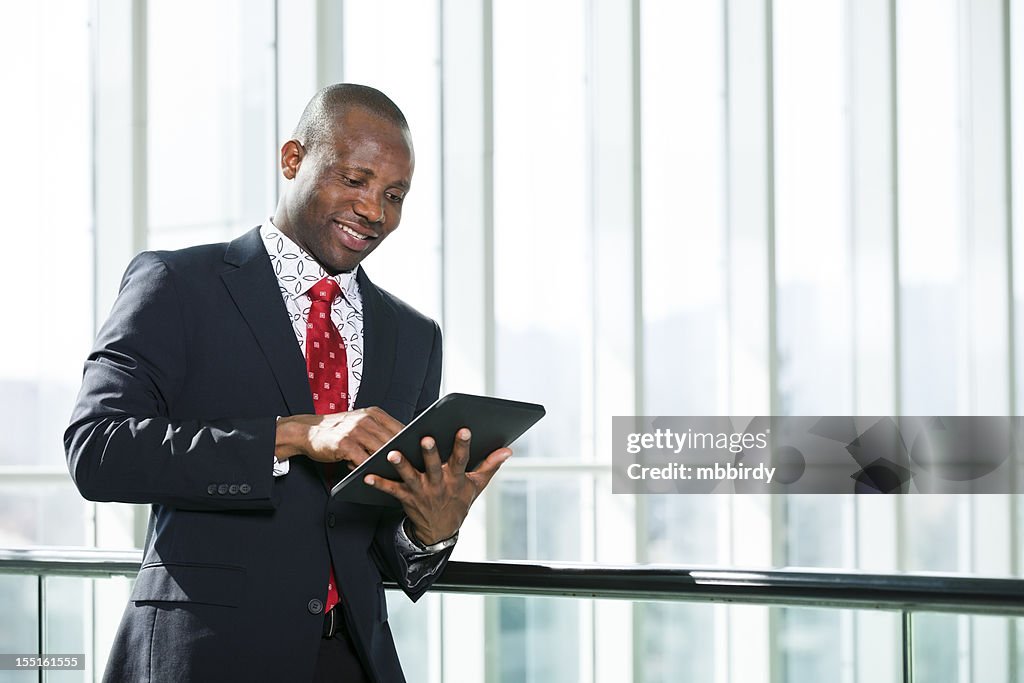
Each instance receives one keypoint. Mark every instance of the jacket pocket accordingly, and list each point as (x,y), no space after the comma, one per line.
(199,583)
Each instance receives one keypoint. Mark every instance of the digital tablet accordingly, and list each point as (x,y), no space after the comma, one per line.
(494,423)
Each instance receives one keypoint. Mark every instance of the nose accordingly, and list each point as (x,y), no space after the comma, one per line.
(370,208)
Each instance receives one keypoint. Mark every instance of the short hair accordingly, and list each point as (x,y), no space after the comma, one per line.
(317,121)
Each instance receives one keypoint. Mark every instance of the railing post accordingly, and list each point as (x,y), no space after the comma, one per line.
(40,618)
(907,633)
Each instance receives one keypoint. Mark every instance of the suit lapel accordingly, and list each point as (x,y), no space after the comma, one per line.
(254,288)
(379,342)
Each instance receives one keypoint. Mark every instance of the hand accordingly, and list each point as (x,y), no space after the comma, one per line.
(437,500)
(351,436)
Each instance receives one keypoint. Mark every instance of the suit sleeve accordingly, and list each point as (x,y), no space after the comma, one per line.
(432,384)
(122,445)
(414,574)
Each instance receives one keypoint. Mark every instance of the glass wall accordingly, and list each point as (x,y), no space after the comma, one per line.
(47,242)
(642,207)
(47,274)
(210,121)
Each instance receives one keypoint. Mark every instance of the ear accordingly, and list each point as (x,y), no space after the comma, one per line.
(292,153)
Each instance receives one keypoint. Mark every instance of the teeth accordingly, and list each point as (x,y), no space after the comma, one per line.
(353,232)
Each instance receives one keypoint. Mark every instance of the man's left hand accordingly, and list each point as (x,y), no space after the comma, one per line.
(437,500)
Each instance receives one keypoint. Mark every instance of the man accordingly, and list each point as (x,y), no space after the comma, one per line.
(198,399)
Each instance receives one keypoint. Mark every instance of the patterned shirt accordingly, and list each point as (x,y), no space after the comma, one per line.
(297,272)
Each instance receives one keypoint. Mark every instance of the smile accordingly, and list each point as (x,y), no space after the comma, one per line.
(349,231)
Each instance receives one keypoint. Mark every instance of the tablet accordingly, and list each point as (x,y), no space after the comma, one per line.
(494,422)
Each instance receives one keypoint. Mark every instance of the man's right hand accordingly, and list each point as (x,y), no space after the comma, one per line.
(351,437)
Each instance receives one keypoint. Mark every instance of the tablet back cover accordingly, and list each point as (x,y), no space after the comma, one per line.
(494,422)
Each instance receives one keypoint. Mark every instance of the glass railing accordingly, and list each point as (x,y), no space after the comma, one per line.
(668,622)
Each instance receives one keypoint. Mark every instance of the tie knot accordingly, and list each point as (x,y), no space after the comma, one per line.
(325,290)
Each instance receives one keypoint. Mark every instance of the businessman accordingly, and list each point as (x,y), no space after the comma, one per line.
(232,384)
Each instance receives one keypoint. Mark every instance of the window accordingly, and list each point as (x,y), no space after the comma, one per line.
(798,207)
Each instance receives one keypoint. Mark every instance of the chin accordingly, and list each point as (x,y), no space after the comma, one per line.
(335,260)
(342,265)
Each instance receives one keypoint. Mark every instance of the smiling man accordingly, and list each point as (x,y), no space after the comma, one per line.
(233,384)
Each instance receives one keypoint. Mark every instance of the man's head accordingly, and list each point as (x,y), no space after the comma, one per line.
(349,167)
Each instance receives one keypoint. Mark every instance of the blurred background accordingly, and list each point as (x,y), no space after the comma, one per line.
(660,207)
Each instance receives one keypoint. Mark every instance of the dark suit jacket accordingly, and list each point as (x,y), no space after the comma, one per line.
(177,409)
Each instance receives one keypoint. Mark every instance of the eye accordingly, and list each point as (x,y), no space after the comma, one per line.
(354,182)
(394,198)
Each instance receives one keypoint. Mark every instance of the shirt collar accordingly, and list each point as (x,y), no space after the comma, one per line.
(295,269)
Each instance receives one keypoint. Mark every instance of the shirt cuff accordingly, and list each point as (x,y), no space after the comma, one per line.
(412,547)
(280,466)
(419,561)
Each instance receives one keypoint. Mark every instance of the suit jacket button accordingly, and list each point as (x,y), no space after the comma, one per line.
(244,489)
(233,489)
(315,606)
(211,489)
(331,520)
(222,489)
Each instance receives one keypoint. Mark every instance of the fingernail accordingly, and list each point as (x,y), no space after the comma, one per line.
(369,480)
(428,443)
(394,457)
(464,435)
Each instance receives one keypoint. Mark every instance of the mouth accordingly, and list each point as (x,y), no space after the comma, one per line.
(353,238)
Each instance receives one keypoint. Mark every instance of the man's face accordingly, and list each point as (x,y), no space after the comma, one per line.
(347,193)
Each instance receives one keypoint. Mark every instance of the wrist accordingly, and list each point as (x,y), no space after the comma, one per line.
(428,544)
(291,438)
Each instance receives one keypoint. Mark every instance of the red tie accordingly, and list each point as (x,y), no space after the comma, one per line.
(327,365)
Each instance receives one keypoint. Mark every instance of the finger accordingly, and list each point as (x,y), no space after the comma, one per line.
(431,459)
(351,452)
(409,474)
(486,469)
(460,451)
(392,488)
(371,435)
(388,423)
(340,450)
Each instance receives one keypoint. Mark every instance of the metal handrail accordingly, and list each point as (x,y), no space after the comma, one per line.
(779,587)
(70,561)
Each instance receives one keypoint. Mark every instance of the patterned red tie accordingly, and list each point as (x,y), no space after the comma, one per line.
(327,365)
